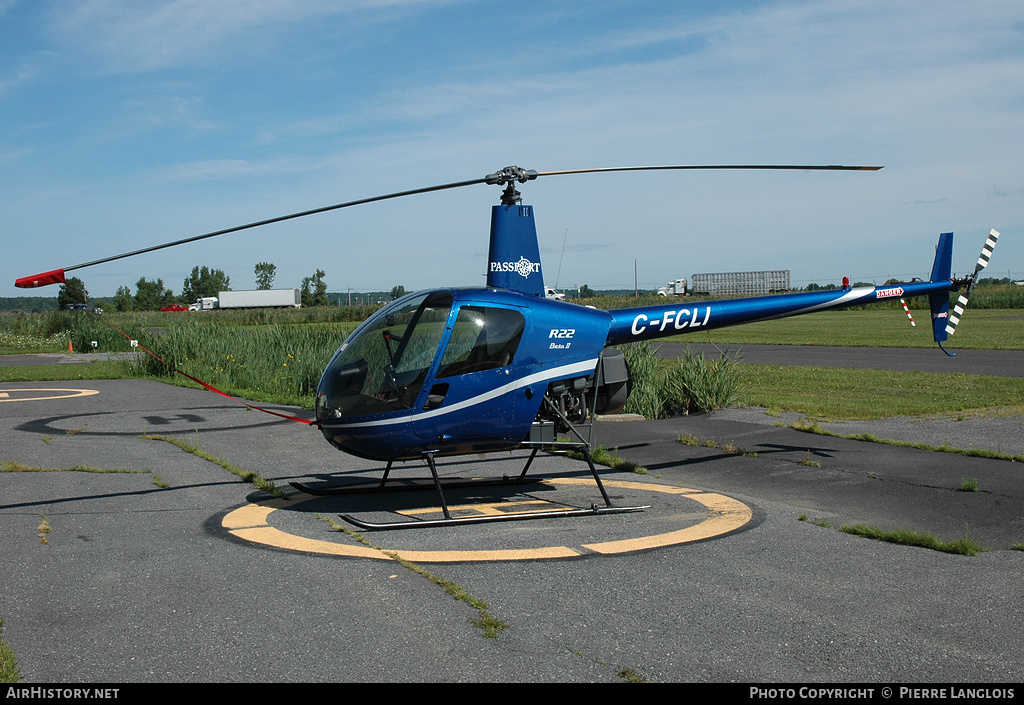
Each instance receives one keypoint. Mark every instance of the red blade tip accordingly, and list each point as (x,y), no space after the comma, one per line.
(45,279)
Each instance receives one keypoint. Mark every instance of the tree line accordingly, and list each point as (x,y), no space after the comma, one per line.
(203,282)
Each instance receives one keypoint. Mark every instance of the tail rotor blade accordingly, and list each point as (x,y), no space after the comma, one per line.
(958,311)
(986,252)
(961,301)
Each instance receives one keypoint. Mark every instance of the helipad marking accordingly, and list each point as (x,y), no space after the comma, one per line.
(71,393)
(251,523)
(486,509)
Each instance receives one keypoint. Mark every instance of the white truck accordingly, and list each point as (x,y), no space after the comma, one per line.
(256,298)
(207,303)
(674,288)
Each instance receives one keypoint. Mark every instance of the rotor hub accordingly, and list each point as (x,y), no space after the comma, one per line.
(508,177)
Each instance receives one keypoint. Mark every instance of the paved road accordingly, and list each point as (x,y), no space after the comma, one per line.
(171,573)
(32,360)
(999,363)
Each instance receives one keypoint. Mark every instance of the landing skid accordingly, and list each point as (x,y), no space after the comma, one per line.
(450,520)
(512,516)
(439,486)
(408,485)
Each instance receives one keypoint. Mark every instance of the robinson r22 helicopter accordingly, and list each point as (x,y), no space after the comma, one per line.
(453,371)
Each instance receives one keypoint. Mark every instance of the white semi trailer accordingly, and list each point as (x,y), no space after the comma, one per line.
(767,281)
(256,298)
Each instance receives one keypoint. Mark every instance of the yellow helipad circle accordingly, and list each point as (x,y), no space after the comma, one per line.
(5,394)
(725,514)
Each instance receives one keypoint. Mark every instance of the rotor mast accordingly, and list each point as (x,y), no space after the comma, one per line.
(508,177)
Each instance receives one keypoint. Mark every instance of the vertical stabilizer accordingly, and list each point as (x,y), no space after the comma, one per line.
(513,261)
(941,271)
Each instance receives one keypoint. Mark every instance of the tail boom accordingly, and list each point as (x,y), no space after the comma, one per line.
(652,322)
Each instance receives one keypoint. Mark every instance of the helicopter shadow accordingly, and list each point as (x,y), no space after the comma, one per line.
(761,449)
(48,426)
(113,495)
(449,470)
(161,420)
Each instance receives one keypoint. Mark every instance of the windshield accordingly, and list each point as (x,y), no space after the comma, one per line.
(381,367)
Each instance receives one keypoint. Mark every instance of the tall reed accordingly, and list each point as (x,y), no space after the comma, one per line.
(265,362)
(693,383)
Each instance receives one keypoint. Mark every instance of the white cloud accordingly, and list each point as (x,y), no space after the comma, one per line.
(191,97)
(133,37)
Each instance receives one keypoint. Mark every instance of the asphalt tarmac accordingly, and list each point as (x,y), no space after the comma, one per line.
(177,570)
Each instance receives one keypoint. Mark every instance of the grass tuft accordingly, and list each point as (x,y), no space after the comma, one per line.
(488,623)
(601,456)
(12,466)
(965,546)
(969,485)
(688,439)
(8,661)
(814,427)
(254,478)
(630,676)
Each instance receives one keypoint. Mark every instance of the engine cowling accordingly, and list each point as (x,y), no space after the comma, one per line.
(576,398)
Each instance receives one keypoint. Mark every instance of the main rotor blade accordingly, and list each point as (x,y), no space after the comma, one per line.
(279,219)
(788,167)
(502,177)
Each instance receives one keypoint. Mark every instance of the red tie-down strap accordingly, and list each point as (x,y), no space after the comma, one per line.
(209,386)
(57,277)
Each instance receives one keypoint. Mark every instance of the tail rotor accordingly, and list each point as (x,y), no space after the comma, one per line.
(961,302)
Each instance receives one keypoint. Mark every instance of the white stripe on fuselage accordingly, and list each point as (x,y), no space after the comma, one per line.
(547,375)
(851,295)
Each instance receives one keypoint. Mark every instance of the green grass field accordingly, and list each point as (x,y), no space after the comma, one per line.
(990,329)
(838,393)
(278,356)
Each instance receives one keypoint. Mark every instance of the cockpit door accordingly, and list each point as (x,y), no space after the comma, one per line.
(470,396)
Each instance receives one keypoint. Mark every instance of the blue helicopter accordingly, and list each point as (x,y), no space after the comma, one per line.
(453,371)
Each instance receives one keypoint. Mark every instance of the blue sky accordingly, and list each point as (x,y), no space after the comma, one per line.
(126,124)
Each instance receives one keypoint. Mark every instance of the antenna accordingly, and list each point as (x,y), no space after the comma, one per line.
(561,257)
